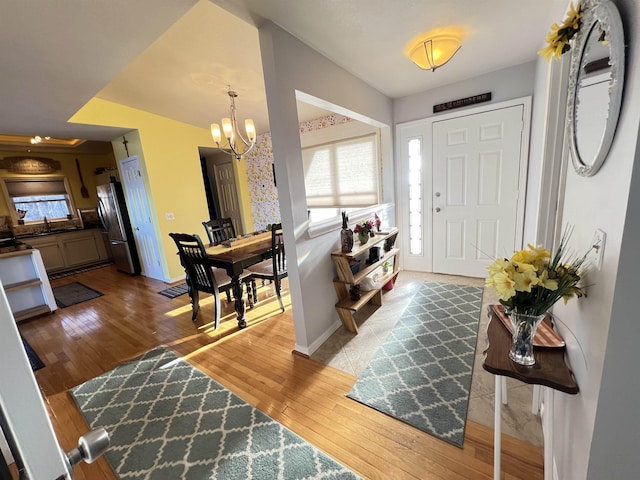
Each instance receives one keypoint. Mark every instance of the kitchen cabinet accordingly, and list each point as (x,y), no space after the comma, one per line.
(66,250)
(26,284)
(50,250)
(369,267)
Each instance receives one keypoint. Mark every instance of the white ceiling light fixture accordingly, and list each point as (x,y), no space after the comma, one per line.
(433,52)
(232,134)
(37,139)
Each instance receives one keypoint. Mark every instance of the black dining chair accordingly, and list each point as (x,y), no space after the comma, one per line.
(274,268)
(202,277)
(219,229)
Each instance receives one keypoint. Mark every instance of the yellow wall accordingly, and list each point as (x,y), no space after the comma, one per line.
(88,164)
(170,165)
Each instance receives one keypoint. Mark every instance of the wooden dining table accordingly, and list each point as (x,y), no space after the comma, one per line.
(242,253)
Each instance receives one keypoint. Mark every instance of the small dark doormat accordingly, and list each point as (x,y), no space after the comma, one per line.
(88,268)
(174,292)
(72,293)
(33,357)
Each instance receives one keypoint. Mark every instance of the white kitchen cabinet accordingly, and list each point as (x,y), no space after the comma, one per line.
(26,284)
(66,250)
(50,251)
(80,248)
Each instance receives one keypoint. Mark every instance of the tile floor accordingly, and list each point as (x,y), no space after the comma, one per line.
(351,353)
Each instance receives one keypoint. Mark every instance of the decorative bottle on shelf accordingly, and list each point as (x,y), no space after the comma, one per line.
(346,235)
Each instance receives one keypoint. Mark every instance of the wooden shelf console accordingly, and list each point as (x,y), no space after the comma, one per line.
(346,277)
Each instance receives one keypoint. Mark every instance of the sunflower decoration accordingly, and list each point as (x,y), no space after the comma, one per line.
(559,36)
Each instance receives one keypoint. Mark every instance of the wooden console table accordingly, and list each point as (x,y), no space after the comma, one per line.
(345,276)
(550,370)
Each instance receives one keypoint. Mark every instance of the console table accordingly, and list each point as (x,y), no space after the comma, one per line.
(550,370)
(344,262)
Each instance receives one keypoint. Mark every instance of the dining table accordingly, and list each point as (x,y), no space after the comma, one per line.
(234,258)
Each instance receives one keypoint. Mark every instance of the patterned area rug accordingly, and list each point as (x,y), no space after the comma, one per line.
(174,292)
(422,372)
(168,420)
(72,293)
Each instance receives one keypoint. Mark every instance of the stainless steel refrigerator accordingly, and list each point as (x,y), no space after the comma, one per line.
(114,216)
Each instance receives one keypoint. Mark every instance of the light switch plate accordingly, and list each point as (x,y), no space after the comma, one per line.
(597,249)
(169,216)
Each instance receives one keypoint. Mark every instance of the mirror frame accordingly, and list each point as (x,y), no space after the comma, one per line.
(606,13)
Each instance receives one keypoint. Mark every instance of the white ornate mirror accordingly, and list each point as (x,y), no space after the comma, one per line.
(595,85)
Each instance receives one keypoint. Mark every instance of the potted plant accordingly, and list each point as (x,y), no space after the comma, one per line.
(386,265)
(363,229)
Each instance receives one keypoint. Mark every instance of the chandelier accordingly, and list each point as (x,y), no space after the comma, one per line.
(232,134)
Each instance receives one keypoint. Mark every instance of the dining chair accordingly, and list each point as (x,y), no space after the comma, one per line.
(219,229)
(274,268)
(202,277)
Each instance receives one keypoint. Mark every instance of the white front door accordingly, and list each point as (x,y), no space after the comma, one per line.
(140,214)
(476,178)
(227,195)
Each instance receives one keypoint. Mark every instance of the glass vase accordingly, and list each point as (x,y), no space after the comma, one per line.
(524,328)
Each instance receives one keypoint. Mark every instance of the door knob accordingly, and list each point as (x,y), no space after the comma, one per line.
(138,228)
(437,209)
(91,445)
(437,194)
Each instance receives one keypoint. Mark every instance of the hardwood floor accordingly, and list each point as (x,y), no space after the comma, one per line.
(82,341)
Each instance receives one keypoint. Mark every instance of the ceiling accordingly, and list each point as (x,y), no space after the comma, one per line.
(176,59)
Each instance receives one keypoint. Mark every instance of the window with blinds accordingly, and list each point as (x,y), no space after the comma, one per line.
(35,199)
(342,174)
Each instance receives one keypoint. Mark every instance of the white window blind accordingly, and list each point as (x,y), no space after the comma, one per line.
(26,188)
(342,174)
(33,199)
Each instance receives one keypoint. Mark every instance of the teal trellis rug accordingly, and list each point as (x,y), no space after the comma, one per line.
(168,420)
(422,372)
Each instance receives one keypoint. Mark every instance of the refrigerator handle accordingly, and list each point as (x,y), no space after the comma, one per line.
(101,215)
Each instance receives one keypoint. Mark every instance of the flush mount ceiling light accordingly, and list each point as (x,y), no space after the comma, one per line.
(434,51)
(231,132)
(37,139)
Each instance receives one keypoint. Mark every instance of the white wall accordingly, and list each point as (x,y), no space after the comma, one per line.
(547,145)
(614,449)
(596,433)
(505,84)
(291,66)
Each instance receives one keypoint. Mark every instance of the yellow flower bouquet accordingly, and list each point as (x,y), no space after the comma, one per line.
(531,281)
(559,36)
